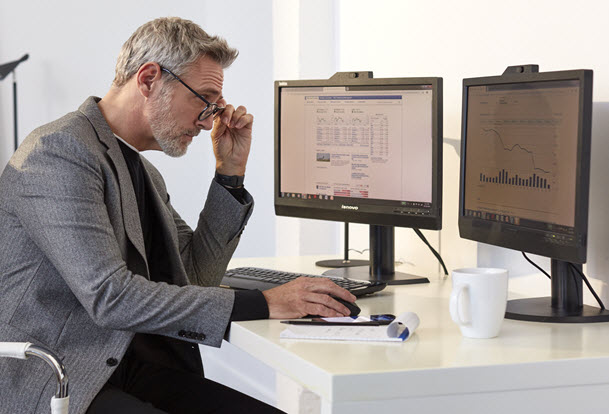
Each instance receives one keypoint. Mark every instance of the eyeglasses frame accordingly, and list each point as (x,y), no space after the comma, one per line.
(215,108)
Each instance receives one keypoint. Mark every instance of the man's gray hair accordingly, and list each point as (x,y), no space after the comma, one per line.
(173,43)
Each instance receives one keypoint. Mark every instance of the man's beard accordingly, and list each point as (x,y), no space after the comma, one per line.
(164,127)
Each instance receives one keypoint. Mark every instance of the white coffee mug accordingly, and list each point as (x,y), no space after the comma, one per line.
(478,301)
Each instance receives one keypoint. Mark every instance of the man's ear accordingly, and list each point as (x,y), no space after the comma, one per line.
(148,74)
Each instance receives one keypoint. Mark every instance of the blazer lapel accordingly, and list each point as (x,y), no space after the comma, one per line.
(131,217)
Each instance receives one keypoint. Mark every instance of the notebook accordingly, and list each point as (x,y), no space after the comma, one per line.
(399,330)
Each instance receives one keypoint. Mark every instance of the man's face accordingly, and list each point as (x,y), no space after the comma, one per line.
(174,110)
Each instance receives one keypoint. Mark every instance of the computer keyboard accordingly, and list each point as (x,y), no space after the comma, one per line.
(263,279)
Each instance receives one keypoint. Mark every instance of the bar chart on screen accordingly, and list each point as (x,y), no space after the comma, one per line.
(527,165)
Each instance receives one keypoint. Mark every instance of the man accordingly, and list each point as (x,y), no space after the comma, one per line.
(97,265)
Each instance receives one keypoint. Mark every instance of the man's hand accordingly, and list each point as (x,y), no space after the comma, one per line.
(231,138)
(307,296)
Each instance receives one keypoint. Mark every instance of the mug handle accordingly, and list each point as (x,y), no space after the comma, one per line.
(454,306)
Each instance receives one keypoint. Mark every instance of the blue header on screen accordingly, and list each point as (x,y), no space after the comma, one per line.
(351,98)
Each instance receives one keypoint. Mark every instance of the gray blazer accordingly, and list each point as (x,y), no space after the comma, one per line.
(73,271)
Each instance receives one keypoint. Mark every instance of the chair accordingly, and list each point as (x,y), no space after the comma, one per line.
(24,350)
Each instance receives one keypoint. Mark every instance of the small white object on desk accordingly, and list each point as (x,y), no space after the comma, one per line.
(399,330)
(478,301)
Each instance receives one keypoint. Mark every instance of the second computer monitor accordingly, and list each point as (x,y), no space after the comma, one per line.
(525,162)
(525,178)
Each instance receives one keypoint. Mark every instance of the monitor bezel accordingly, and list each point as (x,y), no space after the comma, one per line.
(303,209)
(522,238)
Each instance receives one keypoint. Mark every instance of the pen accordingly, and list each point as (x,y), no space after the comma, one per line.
(371,323)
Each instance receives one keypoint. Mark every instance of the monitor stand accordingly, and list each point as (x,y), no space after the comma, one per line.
(564,306)
(344,262)
(382,261)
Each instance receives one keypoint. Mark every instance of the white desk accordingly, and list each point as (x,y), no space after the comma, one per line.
(530,367)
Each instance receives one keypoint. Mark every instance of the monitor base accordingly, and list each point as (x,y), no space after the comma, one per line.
(363,273)
(345,261)
(341,263)
(541,310)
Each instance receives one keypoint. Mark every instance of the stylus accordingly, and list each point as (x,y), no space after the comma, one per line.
(371,323)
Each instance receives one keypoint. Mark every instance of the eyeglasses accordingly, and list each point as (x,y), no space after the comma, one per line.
(212,109)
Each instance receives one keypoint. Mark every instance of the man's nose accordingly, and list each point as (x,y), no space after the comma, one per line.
(206,124)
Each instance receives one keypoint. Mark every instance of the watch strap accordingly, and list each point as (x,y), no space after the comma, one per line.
(230,181)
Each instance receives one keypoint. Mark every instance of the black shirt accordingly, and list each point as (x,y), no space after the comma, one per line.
(248,305)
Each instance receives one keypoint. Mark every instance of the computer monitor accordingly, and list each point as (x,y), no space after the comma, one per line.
(357,149)
(525,168)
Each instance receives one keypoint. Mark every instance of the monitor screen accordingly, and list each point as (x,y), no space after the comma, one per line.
(525,162)
(361,150)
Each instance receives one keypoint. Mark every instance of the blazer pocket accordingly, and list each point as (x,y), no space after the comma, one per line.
(44,307)
(23,377)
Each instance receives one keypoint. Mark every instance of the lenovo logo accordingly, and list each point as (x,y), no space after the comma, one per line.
(344,207)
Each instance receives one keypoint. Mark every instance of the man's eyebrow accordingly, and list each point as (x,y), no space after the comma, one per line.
(209,91)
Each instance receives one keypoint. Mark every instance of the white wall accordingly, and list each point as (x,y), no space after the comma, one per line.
(304,45)
(73,47)
(471,38)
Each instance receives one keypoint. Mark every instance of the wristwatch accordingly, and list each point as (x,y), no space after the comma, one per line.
(229,181)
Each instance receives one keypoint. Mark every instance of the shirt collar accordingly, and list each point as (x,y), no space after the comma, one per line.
(126,143)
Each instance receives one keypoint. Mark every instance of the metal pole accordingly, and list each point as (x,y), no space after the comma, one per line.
(567,287)
(346,242)
(15,109)
(382,252)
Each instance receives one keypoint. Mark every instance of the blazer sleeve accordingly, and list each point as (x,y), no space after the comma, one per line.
(206,251)
(58,191)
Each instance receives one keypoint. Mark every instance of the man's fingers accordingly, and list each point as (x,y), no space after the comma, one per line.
(327,302)
(246,119)
(307,296)
(328,287)
(236,118)
(219,128)
(323,311)
(240,118)
(227,114)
